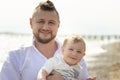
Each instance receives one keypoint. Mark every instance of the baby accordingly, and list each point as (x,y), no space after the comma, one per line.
(67,64)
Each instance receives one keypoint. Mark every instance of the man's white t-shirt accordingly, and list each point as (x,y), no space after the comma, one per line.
(25,62)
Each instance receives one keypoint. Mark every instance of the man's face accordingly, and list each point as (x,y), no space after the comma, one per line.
(45,25)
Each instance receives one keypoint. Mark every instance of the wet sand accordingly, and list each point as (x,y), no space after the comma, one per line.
(106,66)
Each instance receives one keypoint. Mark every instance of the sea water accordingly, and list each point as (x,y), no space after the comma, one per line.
(11,41)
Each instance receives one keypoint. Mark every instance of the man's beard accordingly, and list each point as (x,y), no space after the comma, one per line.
(44,41)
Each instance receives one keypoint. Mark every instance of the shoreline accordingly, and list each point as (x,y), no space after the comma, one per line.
(105,66)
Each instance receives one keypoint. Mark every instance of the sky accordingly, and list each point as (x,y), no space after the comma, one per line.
(90,17)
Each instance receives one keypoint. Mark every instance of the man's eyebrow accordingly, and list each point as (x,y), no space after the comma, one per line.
(52,20)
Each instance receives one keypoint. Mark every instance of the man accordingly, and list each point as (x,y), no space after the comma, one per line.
(24,63)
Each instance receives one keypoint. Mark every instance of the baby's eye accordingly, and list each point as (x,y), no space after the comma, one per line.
(71,49)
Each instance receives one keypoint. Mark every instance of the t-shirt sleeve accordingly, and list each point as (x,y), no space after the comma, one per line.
(10,68)
(84,70)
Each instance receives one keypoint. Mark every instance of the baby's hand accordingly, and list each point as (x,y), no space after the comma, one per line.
(42,74)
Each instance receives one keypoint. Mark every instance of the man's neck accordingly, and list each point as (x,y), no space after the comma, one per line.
(48,49)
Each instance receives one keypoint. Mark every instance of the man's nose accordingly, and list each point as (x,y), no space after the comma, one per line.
(45,26)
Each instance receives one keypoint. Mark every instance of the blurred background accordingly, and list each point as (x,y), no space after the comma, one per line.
(87,17)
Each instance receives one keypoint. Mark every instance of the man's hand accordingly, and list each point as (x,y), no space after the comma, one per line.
(55,76)
(92,78)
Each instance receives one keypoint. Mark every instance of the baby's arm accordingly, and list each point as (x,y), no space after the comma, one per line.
(42,75)
(46,69)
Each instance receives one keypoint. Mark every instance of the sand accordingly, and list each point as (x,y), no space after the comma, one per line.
(106,66)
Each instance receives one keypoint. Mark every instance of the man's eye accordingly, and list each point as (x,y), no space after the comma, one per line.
(51,23)
(40,21)
(78,51)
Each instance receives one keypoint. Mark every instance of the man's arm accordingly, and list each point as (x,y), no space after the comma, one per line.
(92,78)
(55,76)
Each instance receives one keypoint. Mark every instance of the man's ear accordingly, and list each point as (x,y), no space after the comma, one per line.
(30,21)
(59,24)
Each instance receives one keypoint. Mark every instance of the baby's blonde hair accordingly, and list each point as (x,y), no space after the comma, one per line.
(75,39)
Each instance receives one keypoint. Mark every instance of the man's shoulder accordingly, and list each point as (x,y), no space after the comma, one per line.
(20,51)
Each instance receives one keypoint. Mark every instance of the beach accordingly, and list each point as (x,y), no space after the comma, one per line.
(102,57)
(106,65)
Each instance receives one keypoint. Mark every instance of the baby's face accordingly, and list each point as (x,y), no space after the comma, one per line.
(73,52)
